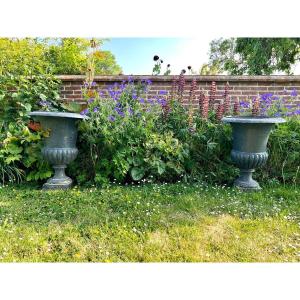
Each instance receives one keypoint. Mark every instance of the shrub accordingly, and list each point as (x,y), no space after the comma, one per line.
(20,147)
(121,140)
(283,164)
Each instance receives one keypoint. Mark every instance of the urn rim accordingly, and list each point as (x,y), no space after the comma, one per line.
(253,120)
(56,114)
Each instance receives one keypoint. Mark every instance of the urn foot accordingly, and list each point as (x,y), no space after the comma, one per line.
(59,181)
(245,181)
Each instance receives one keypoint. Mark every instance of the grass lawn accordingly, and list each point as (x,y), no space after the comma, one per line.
(150,223)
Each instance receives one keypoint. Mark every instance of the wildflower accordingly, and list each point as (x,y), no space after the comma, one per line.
(205,107)
(161,61)
(220,111)
(96,109)
(183,71)
(255,107)
(226,98)
(130,111)
(93,83)
(119,110)
(236,107)
(35,126)
(161,101)
(168,65)
(189,67)
(44,103)
(151,101)
(162,92)
(294,93)
(166,108)
(84,112)
(174,85)
(297,112)
(266,96)
(201,99)
(156,57)
(212,94)
(244,104)
(130,79)
(181,84)
(142,100)
(91,100)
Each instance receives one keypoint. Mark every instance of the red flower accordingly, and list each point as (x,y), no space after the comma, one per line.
(35,126)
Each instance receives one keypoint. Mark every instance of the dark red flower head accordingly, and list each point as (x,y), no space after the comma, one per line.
(156,57)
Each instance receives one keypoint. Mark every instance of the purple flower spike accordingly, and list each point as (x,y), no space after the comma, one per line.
(96,109)
(94,83)
(91,100)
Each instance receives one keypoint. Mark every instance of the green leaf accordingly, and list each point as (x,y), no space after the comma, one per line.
(12,158)
(137,173)
(161,167)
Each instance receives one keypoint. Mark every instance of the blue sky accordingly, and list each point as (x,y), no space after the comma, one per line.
(135,55)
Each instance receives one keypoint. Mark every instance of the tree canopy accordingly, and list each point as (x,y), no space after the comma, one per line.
(252,56)
(30,56)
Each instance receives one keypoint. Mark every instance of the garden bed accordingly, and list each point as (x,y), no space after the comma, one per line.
(150,223)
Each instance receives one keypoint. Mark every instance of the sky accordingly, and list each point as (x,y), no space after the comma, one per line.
(135,55)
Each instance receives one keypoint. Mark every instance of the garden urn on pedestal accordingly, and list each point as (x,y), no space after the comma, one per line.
(249,151)
(60,147)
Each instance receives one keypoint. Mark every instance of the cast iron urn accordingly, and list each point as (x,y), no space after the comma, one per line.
(60,147)
(249,151)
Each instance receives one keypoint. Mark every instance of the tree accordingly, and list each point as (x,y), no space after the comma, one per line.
(22,57)
(254,56)
(56,56)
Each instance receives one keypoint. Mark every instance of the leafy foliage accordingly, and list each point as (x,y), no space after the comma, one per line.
(30,56)
(20,148)
(283,165)
(120,140)
(252,56)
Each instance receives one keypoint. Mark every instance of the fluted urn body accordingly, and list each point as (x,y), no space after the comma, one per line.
(60,147)
(249,150)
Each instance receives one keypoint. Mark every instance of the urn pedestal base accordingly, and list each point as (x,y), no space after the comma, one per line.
(59,181)
(245,181)
(59,158)
(247,162)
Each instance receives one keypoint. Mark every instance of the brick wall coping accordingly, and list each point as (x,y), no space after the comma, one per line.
(162,78)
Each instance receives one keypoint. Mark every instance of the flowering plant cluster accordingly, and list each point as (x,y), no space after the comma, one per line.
(122,139)
(271,105)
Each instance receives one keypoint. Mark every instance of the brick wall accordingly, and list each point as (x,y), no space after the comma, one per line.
(239,86)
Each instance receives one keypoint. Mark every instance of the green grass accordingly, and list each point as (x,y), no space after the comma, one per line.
(150,223)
